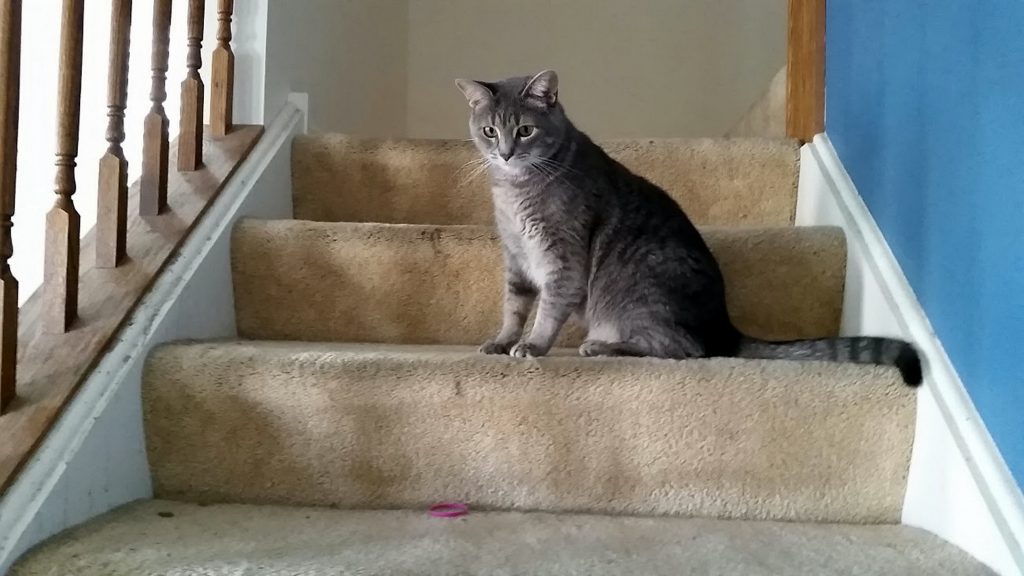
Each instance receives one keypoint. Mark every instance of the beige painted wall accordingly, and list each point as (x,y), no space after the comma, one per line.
(628,68)
(350,56)
(766,118)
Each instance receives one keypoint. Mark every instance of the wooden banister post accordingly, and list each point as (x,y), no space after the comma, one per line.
(112,202)
(190,140)
(60,268)
(156,130)
(805,75)
(10,83)
(222,73)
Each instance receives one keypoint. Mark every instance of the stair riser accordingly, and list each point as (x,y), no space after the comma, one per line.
(429,285)
(722,438)
(741,182)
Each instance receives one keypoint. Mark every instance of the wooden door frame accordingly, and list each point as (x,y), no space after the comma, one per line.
(805,74)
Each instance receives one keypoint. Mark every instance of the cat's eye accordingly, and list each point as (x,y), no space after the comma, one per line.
(525,131)
(490,132)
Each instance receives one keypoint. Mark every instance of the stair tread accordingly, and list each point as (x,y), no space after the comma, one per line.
(165,538)
(301,280)
(723,181)
(386,426)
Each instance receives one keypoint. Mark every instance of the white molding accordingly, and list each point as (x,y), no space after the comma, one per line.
(301,101)
(959,486)
(94,458)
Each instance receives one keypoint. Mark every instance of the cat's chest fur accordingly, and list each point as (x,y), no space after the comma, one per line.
(529,231)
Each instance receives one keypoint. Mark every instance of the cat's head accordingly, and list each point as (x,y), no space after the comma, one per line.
(516,123)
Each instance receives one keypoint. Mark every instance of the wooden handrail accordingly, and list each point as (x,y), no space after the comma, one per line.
(60,267)
(50,345)
(805,74)
(190,140)
(10,85)
(222,73)
(156,128)
(112,197)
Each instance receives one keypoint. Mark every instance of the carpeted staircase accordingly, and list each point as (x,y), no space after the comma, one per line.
(356,399)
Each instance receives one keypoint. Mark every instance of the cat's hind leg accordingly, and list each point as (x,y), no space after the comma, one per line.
(605,339)
(593,348)
(657,344)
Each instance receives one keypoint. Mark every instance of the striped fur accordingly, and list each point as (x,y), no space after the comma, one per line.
(857,349)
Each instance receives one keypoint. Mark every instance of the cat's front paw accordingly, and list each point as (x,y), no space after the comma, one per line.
(526,350)
(495,347)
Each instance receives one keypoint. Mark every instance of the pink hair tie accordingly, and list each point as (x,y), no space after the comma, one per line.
(449,510)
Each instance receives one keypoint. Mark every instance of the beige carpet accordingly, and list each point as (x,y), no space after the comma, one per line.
(385,426)
(362,426)
(172,539)
(726,182)
(312,281)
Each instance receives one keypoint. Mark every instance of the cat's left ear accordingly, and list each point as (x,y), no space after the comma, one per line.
(476,92)
(543,87)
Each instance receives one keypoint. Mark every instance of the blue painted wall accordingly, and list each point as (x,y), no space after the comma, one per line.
(925,105)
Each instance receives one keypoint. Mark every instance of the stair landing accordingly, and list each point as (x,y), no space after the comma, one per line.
(165,538)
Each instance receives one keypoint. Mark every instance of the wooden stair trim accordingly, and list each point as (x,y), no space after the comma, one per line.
(805,64)
(51,367)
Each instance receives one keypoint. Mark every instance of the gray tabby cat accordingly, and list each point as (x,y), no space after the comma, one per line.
(584,236)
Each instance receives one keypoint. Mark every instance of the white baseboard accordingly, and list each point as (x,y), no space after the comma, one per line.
(94,458)
(959,486)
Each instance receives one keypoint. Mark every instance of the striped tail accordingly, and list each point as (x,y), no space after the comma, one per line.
(858,349)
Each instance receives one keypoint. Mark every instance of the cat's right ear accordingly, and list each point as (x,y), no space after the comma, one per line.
(476,93)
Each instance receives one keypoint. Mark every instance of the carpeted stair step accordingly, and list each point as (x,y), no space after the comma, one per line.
(169,539)
(372,426)
(298,280)
(721,182)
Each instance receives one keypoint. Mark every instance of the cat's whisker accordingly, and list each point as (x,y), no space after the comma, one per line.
(475,167)
(471,164)
(554,167)
(469,178)
(559,165)
(479,168)
(548,169)
(541,169)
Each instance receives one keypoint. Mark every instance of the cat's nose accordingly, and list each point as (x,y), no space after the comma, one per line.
(505,155)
